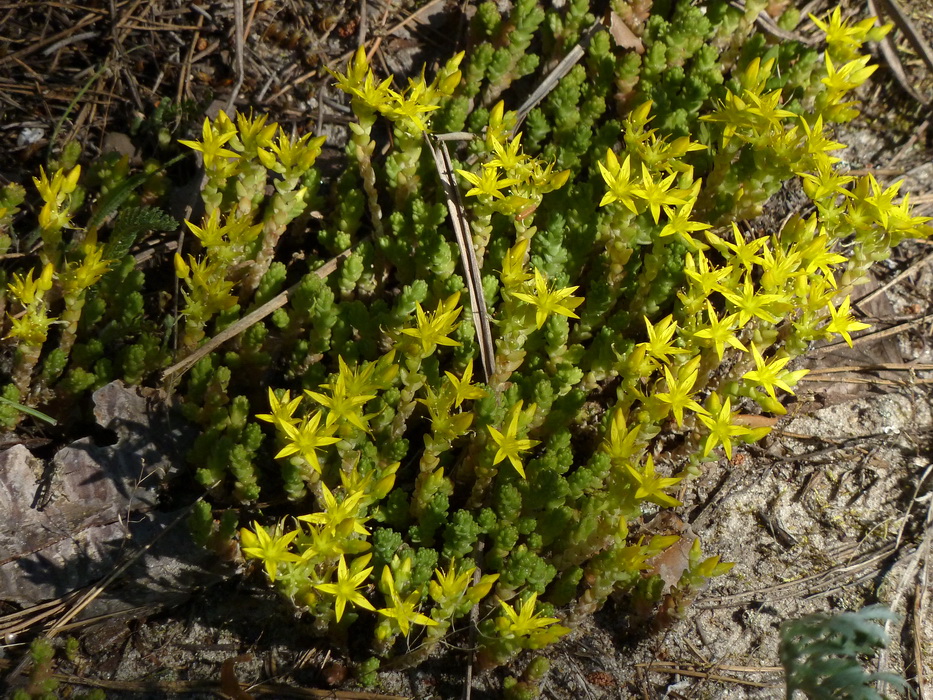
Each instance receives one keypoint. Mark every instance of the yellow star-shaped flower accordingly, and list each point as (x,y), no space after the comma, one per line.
(510,445)
(211,145)
(550,301)
(348,581)
(843,323)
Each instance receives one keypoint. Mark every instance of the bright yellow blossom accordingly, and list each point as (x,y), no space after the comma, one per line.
(550,301)
(272,549)
(622,443)
(525,621)
(282,411)
(32,327)
(842,321)
(211,145)
(55,192)
(488,184)
(27,290)
(679,223)
(450,588)
(463,390)
(680,390)
(720,331)
(336,515)
(61,185)
(708,278)
(849,76)
(619,180)
(769,375)
(721,424)
(751,304)
(432,330)
(746,254)
(307,438)
(844,39)
(651,486)
(254,137)
(348,581)
(509,157)
(513,265)
(344,406)
(661,339)
(657,194)
(510,445)
(402,611)
(79,276)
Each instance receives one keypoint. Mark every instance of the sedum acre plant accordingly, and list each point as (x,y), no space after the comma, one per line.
(640,311)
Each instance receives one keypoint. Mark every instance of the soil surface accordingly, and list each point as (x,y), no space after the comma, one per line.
(832,512)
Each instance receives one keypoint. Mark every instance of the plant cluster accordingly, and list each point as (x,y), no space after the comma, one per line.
(640,313)
(42,683)
(822,655)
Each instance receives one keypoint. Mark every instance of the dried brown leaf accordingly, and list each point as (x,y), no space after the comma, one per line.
(621,35)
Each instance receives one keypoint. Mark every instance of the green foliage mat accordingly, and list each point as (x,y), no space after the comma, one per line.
(424,435)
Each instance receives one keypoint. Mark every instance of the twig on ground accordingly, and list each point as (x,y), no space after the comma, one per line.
(909,144)
(874,381)
(921,593)
(913,499)
(23,620)
(767,24)
(116,36)
(68,40)
(468,260)
(704,511)
(910,573)
(882,366)
(291,84)
(239,48)
(913,267)
(818,375)
(208,50)
(814,585)
(889,51)
(468,673)
(722,667)
(685,670)
(394,28)
(249,20)
(185,70)
(77,98)
(361,37)
(875,335)
(90,18)
(891,9)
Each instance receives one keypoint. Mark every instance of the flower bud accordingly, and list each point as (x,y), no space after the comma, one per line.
(182,270)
